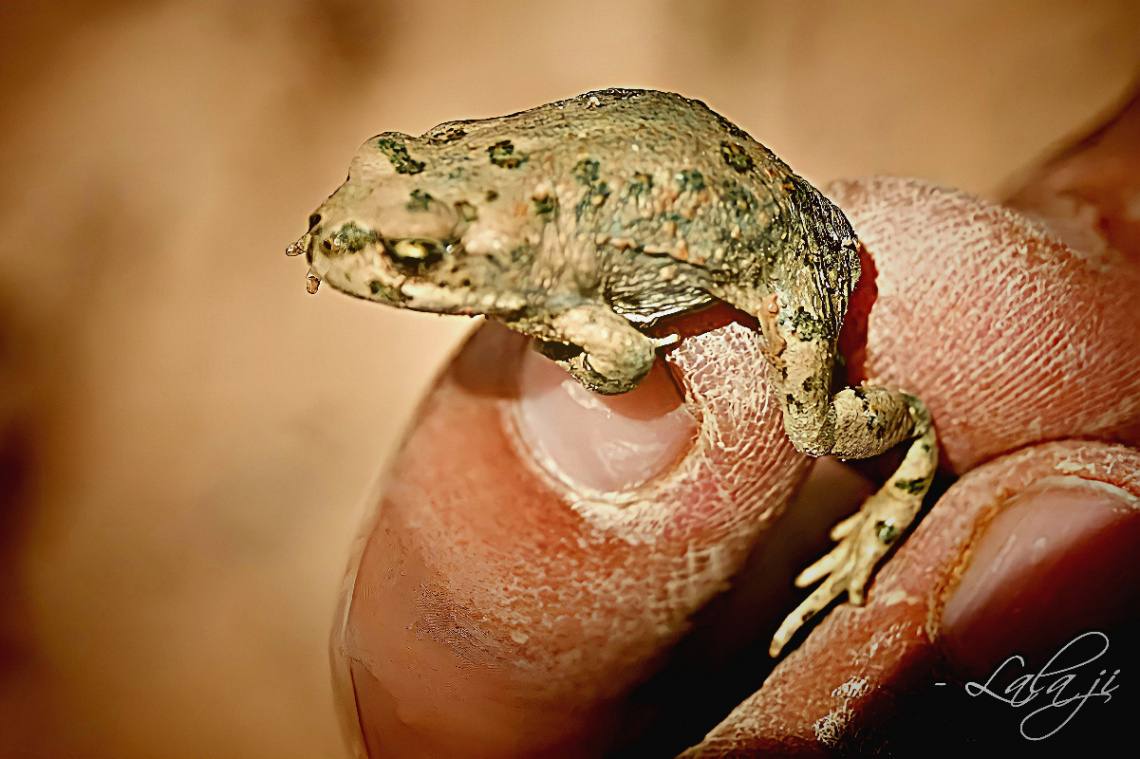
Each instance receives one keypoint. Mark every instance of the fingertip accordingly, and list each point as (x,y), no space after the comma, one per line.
(1058,558)
(505,611)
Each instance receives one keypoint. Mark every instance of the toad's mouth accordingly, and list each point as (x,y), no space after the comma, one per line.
(373,281)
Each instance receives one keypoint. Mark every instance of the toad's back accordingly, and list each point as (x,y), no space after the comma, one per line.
(653,173)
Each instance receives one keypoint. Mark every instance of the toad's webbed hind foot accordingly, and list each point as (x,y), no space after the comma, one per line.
(865,537)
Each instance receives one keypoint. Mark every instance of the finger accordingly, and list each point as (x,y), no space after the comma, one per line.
(538,549)
(1009,560)
(1089,193)
(1008,336)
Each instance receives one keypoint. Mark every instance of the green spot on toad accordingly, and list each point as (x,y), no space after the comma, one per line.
(736,157)
(397,154)
(543,205)
(503,155)
(355,238)
(690,181)
(419,200)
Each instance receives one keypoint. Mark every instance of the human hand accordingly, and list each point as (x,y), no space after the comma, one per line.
(521,594)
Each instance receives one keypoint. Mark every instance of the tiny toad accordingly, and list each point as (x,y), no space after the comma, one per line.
(581,222)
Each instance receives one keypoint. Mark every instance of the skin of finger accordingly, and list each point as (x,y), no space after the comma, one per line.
(1089,192)
(497,612)
(861,661)
(1008,335)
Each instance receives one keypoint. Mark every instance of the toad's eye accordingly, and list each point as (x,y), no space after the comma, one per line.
(414,254)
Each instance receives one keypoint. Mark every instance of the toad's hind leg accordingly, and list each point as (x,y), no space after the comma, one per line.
(853,424)
(866,536)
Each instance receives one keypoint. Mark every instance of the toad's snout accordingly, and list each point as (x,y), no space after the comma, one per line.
(328,246)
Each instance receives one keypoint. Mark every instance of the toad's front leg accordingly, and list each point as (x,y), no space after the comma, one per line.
(855,423)
(599,348)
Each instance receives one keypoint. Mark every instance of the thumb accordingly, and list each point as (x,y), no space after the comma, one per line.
(538,550)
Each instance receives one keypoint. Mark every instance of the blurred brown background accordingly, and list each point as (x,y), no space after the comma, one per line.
(186,437)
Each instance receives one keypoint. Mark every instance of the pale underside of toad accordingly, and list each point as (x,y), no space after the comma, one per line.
(582,222)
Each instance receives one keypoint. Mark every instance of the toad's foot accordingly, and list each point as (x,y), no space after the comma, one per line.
(865,537)
(619,377)
(614,356)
